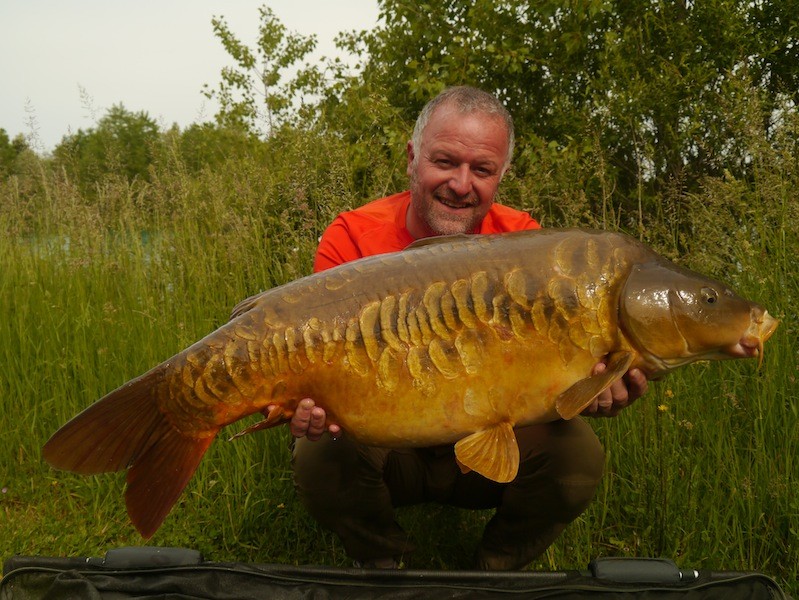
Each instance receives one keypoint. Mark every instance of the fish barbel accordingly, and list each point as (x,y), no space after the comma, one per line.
(453,340)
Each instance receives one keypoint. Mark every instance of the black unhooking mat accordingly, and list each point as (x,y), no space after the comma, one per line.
(177,573)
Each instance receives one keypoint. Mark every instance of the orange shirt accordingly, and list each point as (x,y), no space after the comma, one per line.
(379,227)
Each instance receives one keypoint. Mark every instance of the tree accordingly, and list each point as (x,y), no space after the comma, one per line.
(643,88)
(123,142)
(10,150)
(628,99)
(258,94)
(203,145)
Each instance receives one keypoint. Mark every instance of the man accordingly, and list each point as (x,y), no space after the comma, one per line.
(461,147)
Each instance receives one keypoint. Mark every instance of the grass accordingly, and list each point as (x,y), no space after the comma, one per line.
(92,293)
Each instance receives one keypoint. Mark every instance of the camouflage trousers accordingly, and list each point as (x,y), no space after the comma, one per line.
(353,490)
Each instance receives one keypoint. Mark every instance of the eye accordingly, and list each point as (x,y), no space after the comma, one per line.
(709,295)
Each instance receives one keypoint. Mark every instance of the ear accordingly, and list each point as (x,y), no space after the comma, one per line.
(411,155)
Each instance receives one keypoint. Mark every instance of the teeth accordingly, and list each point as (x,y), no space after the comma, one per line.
(451,205)
(454,203)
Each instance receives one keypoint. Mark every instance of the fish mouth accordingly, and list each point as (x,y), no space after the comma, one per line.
(761,328)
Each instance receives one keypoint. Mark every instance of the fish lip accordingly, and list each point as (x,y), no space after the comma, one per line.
(761,328)
(767,325)
(745,348)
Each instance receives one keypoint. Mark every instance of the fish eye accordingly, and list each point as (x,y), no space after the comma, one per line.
(709,295)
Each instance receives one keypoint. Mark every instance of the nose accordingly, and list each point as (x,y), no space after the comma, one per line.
(461,180)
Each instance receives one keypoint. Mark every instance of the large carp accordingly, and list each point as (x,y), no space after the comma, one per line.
(456,339)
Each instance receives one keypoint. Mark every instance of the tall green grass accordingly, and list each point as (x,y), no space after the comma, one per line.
(94,292)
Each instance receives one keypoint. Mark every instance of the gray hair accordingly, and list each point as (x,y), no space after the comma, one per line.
(465,99)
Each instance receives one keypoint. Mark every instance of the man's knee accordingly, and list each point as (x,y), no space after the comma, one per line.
(331,476)
(565,458)
(562,449)
(341,485)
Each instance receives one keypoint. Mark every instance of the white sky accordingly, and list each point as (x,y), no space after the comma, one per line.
(149,55)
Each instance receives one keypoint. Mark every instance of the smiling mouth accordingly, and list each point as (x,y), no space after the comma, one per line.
(455,204)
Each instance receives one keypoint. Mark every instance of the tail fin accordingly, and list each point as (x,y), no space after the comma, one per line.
(127,430)
(157,478)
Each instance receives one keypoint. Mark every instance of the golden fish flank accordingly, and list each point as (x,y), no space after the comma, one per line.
(437,336)
(455,340)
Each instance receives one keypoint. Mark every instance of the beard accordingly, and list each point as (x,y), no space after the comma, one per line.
(432,208)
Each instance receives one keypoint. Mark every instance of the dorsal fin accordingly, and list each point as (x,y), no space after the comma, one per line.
(439,239)
(245,305)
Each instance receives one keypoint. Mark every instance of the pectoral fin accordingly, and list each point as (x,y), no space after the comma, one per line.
(572,402)
(278,416)
(492,452)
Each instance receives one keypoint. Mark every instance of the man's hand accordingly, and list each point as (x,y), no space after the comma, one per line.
(619,395)
(310,421)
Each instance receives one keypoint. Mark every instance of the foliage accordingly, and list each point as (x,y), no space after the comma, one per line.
(251,94)
(639,87)
(642,89)
(208,145)
(11,152)
(122,144)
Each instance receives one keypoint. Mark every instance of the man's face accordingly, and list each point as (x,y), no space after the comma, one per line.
(457,171)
